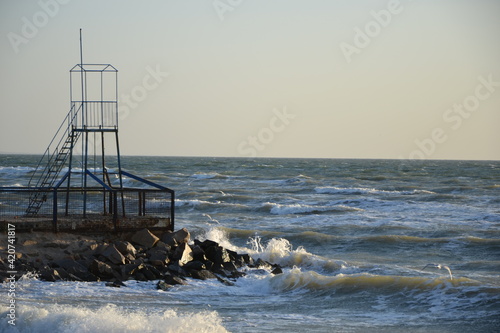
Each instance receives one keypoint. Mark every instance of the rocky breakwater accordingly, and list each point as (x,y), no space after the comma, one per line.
(170,258)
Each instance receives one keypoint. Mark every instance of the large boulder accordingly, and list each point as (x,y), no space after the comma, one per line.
(113,255)
(184,254)
(158,257)
(145,238)
(75,268)
(173,280)
(125,248)
(150,272)
(218,255)
(206,243)
(203,274)
(182,236)
(194,265)
(101,269)
(49,274)
(129,270)
(179,237)
(198,253)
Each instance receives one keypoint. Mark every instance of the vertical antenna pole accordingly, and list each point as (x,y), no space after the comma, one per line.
(81,76)
(81,48)
(86,136)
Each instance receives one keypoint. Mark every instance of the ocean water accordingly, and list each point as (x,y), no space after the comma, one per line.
(353,237)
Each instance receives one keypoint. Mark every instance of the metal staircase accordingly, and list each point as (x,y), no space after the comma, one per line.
(53,161)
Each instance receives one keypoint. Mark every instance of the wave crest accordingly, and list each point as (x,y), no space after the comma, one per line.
(282,209)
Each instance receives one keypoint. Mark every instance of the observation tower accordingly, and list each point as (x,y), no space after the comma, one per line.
(79,181)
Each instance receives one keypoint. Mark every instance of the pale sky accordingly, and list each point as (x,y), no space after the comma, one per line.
(265,78)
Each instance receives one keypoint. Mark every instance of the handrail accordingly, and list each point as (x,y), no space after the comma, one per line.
(69,119)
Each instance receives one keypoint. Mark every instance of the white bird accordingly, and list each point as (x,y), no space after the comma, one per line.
(439,266)
(211,218)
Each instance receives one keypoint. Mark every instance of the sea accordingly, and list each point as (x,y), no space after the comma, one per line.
(353,237)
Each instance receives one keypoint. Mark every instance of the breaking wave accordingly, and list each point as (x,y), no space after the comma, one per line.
(109,318)
(282,209)
(363,190)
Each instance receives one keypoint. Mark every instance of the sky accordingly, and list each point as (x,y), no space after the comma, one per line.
(263,78)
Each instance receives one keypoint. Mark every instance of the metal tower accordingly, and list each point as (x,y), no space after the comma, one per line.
(87,144)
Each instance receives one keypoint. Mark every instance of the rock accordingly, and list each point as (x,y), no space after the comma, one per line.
(156,250)
(138,261)
(144,258)
(195,265)
(99,249)
(29,242)
(163,246)
(168,239)
(173,280)
(72,277)
(150,272)
(145,238)
(162,285)
(182,236)
(116,284)
(177,270)
(130,269)
(113,255)
(203,275)
(63,274)
(218,255)
(230,266)
(206,244)
(72,267)
(49,274)
(262,264)
(129,257)
(101,269)
(184,254)
(125,248)
(159,258)
(277,270)
(232,254)
(245,259)
(52,245)
(198,253)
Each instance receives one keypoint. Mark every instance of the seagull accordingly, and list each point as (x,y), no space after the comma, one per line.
(211,218)
(439,266)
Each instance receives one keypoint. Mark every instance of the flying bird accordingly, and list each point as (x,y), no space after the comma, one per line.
(439,266)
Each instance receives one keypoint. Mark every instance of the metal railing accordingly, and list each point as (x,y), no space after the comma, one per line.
(108,206)
(50,154)
(96,114)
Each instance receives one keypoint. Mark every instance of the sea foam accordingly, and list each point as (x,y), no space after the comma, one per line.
(110,318)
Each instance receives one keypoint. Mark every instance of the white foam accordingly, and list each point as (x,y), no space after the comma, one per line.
(285,209)
(15,170)
(280,251)
(109,318)
(201,176)
(364,190)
